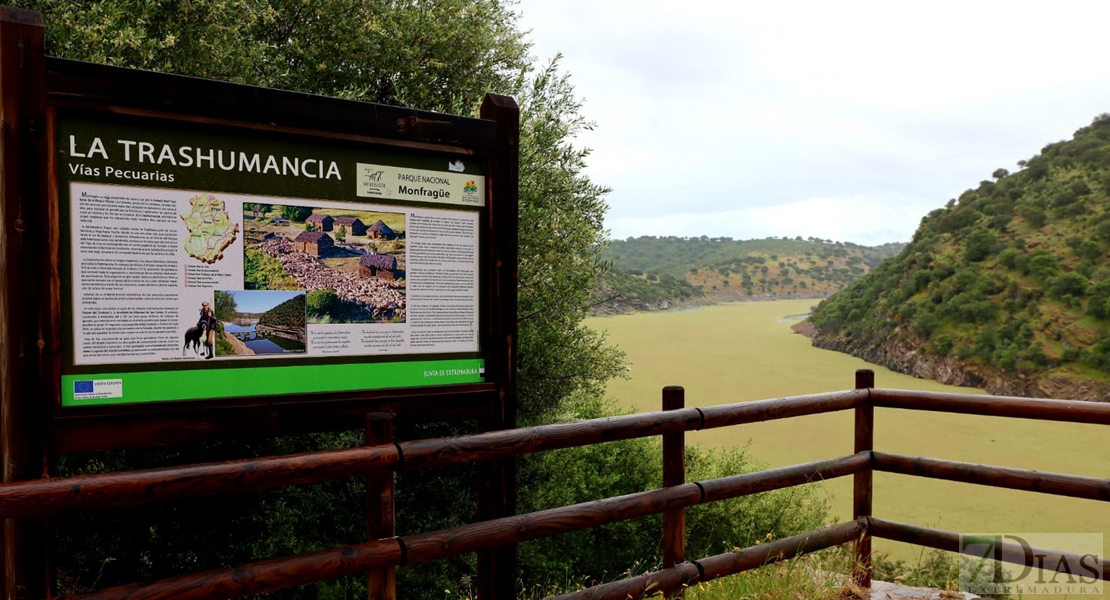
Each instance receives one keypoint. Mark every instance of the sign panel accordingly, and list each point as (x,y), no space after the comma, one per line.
(204,264)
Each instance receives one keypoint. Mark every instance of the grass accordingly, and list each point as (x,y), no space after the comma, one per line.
(746,351)
(819,576)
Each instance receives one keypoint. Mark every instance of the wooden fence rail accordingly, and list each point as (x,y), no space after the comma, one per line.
(83,492)
(950,542)
(1057,484)
(376,462)
(1071,411)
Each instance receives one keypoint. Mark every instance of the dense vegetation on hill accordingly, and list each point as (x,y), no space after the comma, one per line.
(1013,276)
(637,290)
(677,255)
(660,272)
(287,315)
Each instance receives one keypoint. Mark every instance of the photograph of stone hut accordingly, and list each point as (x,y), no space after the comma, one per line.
(353,225)
(322,222)
(316,243)
(381,231)
(381,266)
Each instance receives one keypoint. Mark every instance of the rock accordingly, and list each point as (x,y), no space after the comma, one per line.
(882,590)
(901,352)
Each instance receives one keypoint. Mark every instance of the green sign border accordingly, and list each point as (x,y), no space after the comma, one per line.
(203,384)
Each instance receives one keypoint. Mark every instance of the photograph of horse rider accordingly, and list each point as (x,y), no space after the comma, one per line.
(208,319)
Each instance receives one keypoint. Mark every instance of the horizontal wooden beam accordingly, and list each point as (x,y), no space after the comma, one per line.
(735,486)
(82,84)
(756,556)
(422,454)
(1056,484)
(950,541)
(781,408)
(667,581)
(1071,411)
(128,488)
(260,577)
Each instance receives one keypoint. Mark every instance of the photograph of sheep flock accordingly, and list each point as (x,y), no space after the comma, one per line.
(350,263)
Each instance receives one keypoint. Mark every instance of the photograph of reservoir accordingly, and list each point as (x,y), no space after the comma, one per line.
(255,322)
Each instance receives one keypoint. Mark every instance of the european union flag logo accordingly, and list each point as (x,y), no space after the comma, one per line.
(83,387)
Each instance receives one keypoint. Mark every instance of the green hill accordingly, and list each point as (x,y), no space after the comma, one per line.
(287,315)
(651,273)
(1007,287)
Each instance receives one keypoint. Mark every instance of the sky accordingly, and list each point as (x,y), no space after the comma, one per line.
(840,120)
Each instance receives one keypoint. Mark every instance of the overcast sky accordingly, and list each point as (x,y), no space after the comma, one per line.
(842,120)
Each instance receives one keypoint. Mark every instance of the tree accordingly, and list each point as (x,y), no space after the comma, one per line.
(296,213)
(341,234)
(999,173)
(256,209)
(561,236)
(225,306)
(979,244)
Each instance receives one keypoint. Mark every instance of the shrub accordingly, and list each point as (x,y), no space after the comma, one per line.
(1043,265)
(943,344)
(1067,284)
(979,244)
(1098,302)
(1035,216)
(623,467)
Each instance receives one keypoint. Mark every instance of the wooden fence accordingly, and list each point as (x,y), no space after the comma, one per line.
(379,557)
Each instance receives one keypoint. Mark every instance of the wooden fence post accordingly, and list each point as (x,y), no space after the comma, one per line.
(379,506)
(27,337)
(674,473)
(861,497)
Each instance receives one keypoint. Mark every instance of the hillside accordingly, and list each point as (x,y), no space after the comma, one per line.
(1006,287)
(654,273)
(287,315)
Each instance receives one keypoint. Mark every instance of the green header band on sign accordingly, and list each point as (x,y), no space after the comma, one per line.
(160,386)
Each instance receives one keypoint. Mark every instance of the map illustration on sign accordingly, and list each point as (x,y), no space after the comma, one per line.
(210,229)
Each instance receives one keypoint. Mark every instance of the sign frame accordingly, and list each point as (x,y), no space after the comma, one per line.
(115,92)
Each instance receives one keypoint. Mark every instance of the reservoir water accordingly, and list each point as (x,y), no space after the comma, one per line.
(746,351)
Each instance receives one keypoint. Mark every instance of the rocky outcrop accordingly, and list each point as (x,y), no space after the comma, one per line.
(903,353)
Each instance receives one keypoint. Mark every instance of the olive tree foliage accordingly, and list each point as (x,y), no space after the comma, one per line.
(561,236)
(440,55)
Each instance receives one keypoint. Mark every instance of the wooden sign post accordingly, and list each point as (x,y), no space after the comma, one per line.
(25,342)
